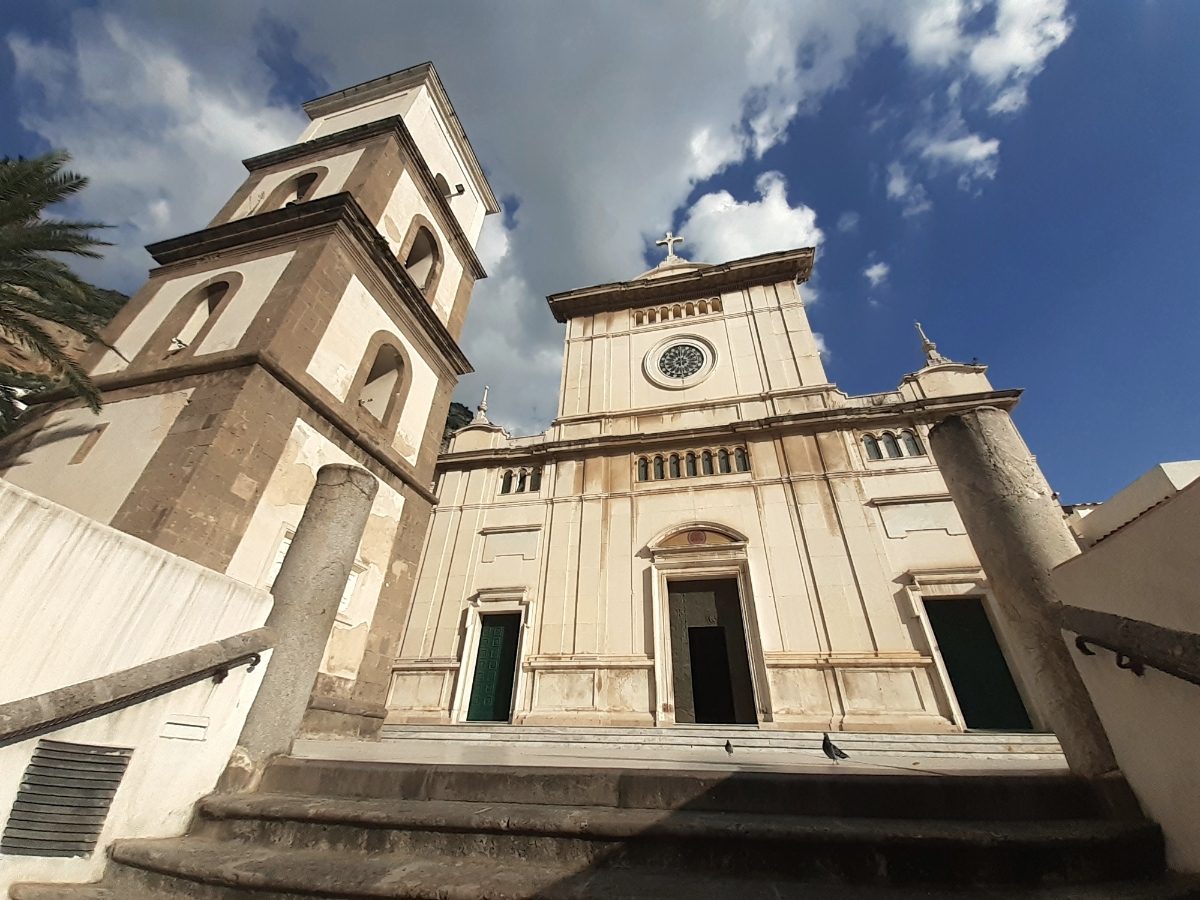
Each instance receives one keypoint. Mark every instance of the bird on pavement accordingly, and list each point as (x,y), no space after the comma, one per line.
(729,748)
(832,750)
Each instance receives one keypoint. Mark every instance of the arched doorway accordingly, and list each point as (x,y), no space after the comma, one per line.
(703,653)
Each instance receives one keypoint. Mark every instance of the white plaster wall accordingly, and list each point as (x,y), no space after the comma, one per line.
(258,277)
(98,484)
(81,600)
(340,352)
(383,108)
(432,135)
(406,201)
(166,774)
(108,600)
(279,510)
(339,166)
(1148,570)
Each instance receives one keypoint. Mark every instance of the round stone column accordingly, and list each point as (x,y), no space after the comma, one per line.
(1018,532)
(307,591)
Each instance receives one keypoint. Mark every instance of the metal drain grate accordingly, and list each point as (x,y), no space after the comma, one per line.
(63,799)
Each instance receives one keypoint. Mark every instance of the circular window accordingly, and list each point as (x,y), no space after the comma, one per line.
(681,360)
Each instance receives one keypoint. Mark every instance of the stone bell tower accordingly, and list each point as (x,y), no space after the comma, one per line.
(315,320)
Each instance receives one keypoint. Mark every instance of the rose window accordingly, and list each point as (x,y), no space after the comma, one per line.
(681,361)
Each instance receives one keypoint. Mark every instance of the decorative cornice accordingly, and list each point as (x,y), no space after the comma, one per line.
(405,79)
(339,209)
(823,419)
(769,268)
(394,126)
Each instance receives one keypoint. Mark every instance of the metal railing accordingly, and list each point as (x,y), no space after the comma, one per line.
(1135,644)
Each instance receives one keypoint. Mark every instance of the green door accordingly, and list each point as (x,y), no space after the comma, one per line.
(983,684)
(495,669)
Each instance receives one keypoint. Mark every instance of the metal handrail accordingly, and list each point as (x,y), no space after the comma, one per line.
(1135,644)
(81,702)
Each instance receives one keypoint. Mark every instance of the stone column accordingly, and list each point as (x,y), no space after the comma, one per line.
(1018,531)
(307,591)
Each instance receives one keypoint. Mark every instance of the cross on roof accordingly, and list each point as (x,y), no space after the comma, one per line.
(669,242)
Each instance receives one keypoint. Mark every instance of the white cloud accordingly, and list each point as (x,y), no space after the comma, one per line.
(877,273)
(848,222)
(603,119)
(718,228)
(911,195)
(974,158)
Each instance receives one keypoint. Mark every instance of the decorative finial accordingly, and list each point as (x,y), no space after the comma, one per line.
(481,410)
(929,348)
(669,242)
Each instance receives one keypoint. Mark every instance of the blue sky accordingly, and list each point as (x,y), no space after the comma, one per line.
(1017,174)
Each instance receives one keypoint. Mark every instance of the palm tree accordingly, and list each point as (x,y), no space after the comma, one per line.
(37,288)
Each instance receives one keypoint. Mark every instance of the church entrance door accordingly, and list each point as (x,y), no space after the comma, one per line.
(495,668)
(709,663)
(979,674)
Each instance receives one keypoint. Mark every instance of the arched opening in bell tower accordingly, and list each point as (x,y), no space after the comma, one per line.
(422,258)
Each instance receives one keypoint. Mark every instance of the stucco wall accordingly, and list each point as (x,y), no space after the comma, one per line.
(1148,570)
(258,277)
(340,353)
(81,600)
(279,511)
(340,166)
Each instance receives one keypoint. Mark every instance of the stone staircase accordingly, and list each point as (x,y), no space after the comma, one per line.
(339,828)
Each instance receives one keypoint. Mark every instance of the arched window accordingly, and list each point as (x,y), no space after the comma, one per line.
(301,189)
(206,303)
(535,479)
(643,469)
(890,447)
(706,462)
(658,468)
(740,460)
(383,379)
(522,476)
(912,444)
(651,316)
(676,311)
(675,473)
(638,318)
(443,185)
(690,309)
(872,447)
(506,482)
(422,258)
(664,313)
(691,464)
(715,303)
(701,307)
(723,460)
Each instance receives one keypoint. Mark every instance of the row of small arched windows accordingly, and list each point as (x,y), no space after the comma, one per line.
(692,464)
(678,311)
(892,446)
(520,481)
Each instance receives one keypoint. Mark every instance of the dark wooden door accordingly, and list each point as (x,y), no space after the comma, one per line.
(982,681)
(495,668)
(709,662)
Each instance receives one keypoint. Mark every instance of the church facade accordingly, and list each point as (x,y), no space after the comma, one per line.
(709,532)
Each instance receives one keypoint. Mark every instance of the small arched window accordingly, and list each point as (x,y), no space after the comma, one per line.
(535,479)
(723,461)
(664,313)
(383,379)
(643,469)
(675,473)
(702,307)
(872,447)
(716,304)
(676,311)
(912,444)
(301,189)
(658,468)
(690,309)
(890,447)
(443,185)
(639,318)
(706,462)
(691,465)
(207,301)
(422,258)
(506,482)
(522,477)
(651,316)
(740,460)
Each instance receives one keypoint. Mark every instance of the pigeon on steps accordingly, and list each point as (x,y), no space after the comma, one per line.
(832,750)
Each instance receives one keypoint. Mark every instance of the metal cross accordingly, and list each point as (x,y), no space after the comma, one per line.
(669,242)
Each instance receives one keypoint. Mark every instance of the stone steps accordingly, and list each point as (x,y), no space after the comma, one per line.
(339,829)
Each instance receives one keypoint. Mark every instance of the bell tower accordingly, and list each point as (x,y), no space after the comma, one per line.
(314,320)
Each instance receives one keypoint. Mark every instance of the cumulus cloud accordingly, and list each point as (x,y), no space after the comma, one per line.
(602,118)
(720,228)
(877,273)
(911,195)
